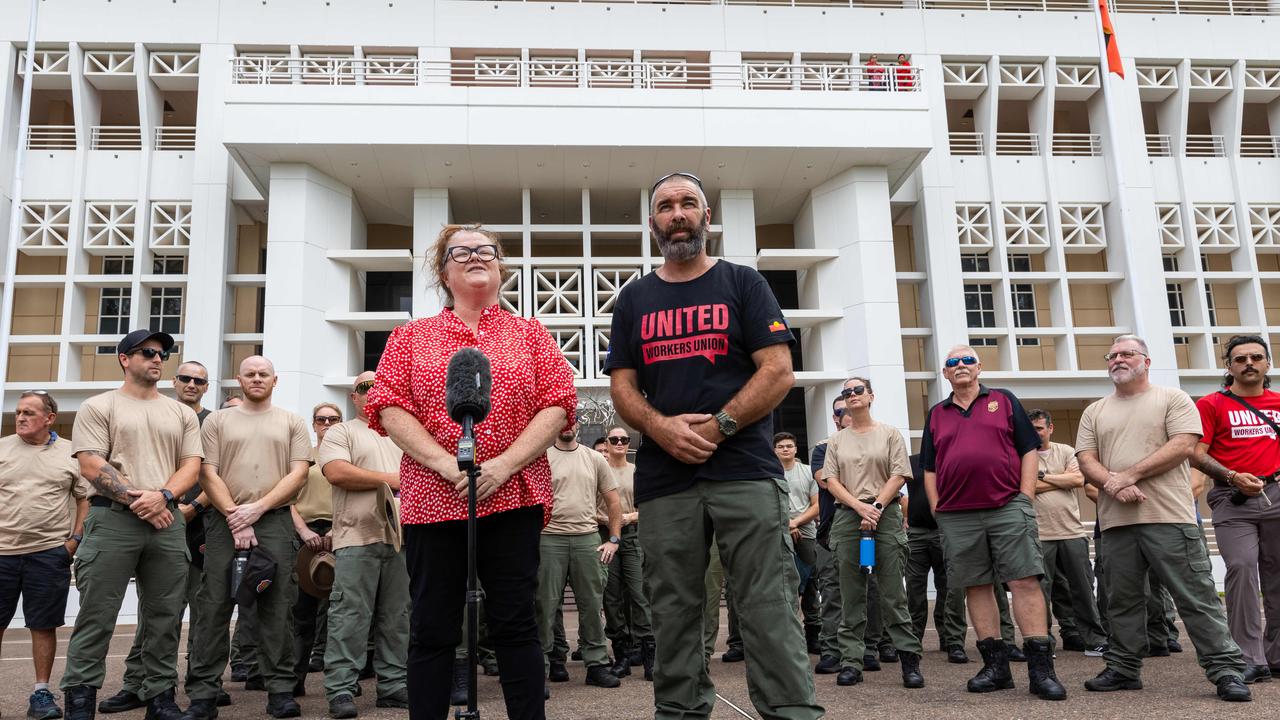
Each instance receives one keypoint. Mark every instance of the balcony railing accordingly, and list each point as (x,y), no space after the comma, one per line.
(1008,143)
(115,137)
(1205,146)
(966,143)
(175,138)
(1161,7)
(1077,144)
(1159,145)
(1260,146)
(653,73)
(51,137)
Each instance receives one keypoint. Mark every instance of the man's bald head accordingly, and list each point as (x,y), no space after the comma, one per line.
(256,362)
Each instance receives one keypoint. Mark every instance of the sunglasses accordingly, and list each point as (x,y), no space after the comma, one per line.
(623,440)
(967,360)
(326,419)
(1123,355)
(364,387)
(697,180)
(839,412)
(1242,359)
(189,379)
(463,254)
(150,353)
(850,392)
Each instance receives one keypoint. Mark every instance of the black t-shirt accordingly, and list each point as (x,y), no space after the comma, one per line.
(918,515)
(690,344)
(826,501)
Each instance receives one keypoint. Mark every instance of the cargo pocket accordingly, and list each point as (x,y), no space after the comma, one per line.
(84,559)
(1197,556)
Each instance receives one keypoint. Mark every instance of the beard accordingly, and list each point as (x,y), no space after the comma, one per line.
(1127,374)
(566,438)
(681,250)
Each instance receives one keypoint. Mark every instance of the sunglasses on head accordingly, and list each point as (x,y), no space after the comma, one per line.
(327,419)
(621,440)
(850,392)
(697,180)
(150,353)
(967,360)
(189,379)
(364,387)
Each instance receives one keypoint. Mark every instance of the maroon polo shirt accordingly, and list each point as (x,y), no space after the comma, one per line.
(977,453)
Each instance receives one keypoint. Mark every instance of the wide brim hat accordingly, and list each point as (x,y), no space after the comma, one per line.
(389,508)
(316,569)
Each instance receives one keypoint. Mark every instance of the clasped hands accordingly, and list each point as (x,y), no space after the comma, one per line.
(494,472)
(1123,486)
(150,505)
(690,438)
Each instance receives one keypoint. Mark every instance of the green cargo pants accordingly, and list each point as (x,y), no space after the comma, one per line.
(924,553)
(891,550)
(716,583)
(370,588)
(244,641)
(119,546)
(749,519)
(1176,555)
(273,609)
(134,673)
(572,558)
(1067,562)
(626,608)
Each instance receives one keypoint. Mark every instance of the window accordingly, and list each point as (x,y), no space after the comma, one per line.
(1208,299)
(975,263)
(1019,263)
(1171,263)
(114,303)
(117,266)
(169,265)
(166,310)
(1022,297)
(1028,342)
(980,305)
(1177,310)
(983,342)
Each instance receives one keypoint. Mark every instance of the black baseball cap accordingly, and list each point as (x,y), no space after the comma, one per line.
(258,577)
(137,337)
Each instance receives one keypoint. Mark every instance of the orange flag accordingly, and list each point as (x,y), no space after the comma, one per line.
(1109,40)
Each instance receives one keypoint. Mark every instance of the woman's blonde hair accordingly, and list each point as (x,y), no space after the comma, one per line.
(440,254)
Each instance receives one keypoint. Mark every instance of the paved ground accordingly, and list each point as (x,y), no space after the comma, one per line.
(1175,688)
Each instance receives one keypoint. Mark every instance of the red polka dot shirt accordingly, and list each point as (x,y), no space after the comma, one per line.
(529,374)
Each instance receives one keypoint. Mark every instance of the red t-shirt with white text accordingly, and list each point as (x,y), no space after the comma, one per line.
(1236,437)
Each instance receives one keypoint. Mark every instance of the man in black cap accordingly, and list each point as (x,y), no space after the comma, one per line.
(139,450)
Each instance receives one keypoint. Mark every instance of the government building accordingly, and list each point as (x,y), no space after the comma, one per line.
(266,177)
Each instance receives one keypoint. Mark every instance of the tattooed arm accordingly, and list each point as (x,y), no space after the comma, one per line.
(111,483)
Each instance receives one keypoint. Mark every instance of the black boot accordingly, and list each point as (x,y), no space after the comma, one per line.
(125,701)
(811,639)
(282,705)
(911,676)
(648,652)
(162,707)
(1043,680)
(202,710)
(621,665)
(600,676)
(458,689)
(80,702)
(994,674)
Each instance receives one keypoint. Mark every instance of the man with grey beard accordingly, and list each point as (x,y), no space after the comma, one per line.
(700,355)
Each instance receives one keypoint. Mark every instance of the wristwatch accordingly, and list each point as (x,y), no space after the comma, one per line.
(615,539)
(728,426)
(77,537)
(877,505)
(168,496)
(1040,475)
(195,505)
(1231,477)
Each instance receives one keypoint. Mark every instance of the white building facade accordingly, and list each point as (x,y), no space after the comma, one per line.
(267,177)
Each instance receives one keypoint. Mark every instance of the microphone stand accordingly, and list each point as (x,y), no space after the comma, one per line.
(467,462)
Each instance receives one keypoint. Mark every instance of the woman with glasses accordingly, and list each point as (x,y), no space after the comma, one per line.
(865,467)
(626,609)
(533,398)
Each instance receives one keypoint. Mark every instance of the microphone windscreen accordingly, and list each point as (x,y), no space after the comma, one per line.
(468,386)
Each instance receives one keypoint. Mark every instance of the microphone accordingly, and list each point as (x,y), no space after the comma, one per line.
(467,387)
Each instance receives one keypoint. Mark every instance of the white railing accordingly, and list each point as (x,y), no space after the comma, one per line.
(1077,144)
(651,73)
(966,143)
(115,137)
(1205,146)
(175,138)
(1165,7)
(175,63)
(1159,145)
(1260,146)
(51,137)
(1009,143)
(47,62)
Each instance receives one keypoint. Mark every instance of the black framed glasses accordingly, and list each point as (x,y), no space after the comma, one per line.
(1123,355)
(679,173)
(189,379)
(326,419)
(463,254)
(838,412)
(851,391)
(967,360)
(150,353)
(620,440)
(363,388)
(1254,357)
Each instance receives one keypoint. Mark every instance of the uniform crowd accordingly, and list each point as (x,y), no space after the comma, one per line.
(348,557)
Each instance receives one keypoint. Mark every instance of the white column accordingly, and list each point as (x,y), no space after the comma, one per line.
(430,214)
(738,226)
(311,213)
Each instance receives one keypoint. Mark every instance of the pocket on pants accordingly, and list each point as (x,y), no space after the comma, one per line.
(84,559)
(1197,558)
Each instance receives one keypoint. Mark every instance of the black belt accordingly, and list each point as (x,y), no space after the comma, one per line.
(106,502)
(867,501)
(1266,480)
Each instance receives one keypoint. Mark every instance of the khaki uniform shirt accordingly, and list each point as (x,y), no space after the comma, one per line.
(39,485)
(625,478)
(1058,511)
(252,451)
(1123,431)
(315,499)
(578,478)
(864,461)
(357,519)
(145,440)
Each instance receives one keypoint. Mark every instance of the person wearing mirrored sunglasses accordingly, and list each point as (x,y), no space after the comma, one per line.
(979,455)
(823,640)
(626,608)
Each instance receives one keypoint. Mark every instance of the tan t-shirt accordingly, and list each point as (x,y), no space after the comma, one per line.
(864,461)
(357,520)
(252,451)
(1123,431)
(315,499)
(145,440)
(578,478)
(38,488)
(625,478)
(1058,511)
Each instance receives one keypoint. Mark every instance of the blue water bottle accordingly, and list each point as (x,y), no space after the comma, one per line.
(867,552)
